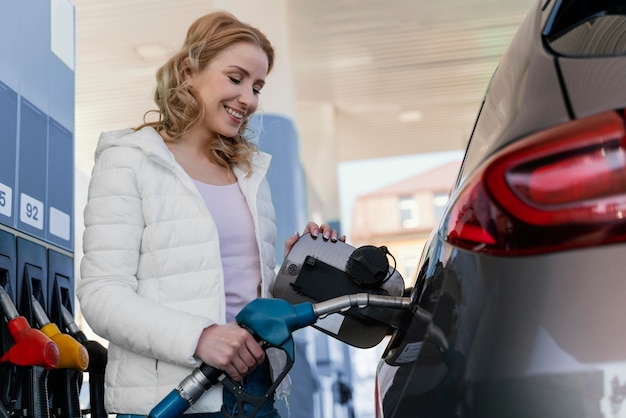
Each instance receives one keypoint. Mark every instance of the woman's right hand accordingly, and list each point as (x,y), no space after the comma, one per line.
(229,348)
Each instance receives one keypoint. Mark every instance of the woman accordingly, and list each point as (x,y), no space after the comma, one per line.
(180,228)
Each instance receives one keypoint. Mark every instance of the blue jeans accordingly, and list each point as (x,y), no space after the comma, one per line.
(255,384)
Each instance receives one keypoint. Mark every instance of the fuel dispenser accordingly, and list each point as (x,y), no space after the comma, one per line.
(36,205)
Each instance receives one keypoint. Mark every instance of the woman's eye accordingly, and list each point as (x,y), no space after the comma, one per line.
(256,91)
(235,80)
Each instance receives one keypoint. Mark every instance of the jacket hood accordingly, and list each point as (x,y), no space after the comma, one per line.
(151,143)
(147,139)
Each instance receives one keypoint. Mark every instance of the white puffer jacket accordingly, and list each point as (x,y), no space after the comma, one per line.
(151,276)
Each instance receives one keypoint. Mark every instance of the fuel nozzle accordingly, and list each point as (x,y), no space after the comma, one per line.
(73,355)
(271,321)
(97,352)
(32,347)
(97,363)
(71,326)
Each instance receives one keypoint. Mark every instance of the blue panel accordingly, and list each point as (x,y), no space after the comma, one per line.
(60,285)
(279,138)
(60,199)
(32,277)
(9,47)
(62,93)
(32,160)
(34,43)
(8,143)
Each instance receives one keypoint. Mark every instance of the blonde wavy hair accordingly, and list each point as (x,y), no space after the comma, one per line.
(179,106)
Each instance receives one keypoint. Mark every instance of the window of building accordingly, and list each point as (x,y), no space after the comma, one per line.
(408,267)
(409,213)
(439,203)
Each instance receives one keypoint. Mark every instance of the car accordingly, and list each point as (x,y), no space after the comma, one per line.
(520,292)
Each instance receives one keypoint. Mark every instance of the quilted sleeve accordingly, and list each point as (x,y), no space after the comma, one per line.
(107,290)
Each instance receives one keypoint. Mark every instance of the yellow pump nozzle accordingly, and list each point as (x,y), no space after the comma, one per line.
(72,354)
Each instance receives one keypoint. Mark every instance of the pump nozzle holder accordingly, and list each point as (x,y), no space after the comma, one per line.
(32,347)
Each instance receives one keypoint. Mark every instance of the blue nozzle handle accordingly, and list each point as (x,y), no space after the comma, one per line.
(273,320)
(188,391)
(269,320)
(172,406)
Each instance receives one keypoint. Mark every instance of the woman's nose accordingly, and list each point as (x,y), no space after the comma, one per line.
(248,98)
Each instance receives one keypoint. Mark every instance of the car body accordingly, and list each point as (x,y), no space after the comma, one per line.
(524,278)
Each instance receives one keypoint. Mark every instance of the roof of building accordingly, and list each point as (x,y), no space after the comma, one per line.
(440,178)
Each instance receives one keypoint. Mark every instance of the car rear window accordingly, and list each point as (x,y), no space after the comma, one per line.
(583,28)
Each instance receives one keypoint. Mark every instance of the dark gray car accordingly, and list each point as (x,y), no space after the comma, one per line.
(524,278)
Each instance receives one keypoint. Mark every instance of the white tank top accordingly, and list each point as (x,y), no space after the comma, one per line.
(238,246)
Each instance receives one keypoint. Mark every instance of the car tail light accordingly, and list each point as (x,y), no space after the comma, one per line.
(377,400)
(376,395)
(561,188)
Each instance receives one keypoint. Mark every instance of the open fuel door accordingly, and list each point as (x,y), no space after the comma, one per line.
(316,270)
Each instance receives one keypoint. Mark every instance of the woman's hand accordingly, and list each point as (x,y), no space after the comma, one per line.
(324,230)
(229,348)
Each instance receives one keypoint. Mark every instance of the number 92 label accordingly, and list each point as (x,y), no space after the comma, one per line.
(31,211)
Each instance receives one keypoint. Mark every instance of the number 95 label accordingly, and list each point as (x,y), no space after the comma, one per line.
(31,211)
(6,200)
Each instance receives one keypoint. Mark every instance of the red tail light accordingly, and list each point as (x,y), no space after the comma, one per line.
(377,401)
(561,188)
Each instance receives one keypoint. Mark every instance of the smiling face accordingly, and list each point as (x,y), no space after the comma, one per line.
(229,88)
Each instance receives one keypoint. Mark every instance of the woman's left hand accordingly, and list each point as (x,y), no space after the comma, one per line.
(315,230)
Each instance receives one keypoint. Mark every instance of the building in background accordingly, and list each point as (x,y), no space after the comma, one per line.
(401,215)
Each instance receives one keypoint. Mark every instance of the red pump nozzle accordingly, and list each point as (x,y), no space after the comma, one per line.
(32,347)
